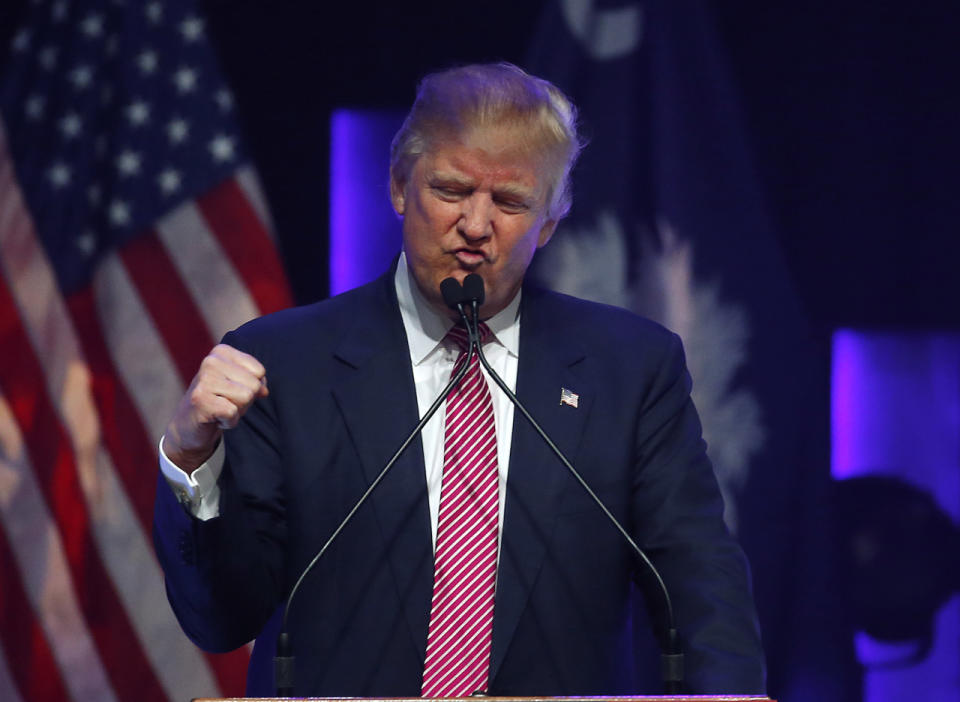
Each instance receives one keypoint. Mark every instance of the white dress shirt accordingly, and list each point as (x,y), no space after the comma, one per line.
(432,360)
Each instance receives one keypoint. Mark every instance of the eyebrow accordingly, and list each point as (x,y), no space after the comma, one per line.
(448,177)
(520,191)
(453,178)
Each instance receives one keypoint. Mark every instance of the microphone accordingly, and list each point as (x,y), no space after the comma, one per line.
(452,292)
(671,654)
(284,659)
(473,291)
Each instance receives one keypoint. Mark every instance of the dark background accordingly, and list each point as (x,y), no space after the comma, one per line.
(852,112)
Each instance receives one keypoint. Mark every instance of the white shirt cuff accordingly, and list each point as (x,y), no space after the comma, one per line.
(199,491)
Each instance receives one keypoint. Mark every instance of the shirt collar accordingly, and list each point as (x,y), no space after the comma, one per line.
(426,328)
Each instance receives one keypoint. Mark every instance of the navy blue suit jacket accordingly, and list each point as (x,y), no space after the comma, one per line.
(341,401)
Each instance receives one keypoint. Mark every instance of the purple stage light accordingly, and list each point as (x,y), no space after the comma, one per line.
(364,230)
(896,412)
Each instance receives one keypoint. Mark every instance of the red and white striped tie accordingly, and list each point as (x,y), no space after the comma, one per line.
(465,563)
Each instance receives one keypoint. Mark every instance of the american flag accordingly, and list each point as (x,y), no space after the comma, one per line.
(568,397)
(132,235)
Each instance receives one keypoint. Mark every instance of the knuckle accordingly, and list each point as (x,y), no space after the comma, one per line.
(197,395)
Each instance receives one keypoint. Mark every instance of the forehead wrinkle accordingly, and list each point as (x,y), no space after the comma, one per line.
(449,176)
(502,182)
(515,189)
(491,159)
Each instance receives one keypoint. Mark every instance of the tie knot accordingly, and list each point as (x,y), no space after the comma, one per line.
(458,335)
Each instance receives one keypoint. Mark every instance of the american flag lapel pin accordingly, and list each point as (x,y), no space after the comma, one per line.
(568,397)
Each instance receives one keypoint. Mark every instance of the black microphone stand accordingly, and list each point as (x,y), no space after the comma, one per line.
(283,660)
(671,654)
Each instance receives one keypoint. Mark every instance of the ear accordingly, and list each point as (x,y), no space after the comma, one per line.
(397,195)
(546,231)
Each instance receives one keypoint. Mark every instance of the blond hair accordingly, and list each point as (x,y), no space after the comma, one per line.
(450,103)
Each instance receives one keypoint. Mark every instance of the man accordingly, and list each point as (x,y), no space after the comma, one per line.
(317,399)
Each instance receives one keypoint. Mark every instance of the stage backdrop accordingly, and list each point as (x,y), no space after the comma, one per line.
(669,220)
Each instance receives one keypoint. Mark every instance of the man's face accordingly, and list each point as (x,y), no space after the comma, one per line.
(474,204)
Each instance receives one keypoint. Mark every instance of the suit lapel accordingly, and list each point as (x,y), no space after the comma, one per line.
(536,480)
(377,398)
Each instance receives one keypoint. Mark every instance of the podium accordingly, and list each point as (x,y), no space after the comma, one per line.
(621,698)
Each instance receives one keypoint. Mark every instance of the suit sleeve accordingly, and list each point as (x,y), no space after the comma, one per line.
(679,521)
(224,576)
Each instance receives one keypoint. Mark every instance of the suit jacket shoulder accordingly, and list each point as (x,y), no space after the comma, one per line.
(587,322)
(324,324)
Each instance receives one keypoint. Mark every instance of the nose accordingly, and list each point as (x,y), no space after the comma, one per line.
(476,217)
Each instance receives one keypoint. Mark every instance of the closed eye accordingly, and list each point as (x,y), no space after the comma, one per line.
(450,192)
(512,206)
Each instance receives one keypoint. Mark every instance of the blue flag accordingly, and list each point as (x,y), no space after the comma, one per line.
(669,220)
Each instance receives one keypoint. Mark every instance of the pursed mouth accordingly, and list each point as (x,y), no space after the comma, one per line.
(470,257)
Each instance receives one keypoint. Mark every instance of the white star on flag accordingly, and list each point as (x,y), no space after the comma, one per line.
(119,213)
(185,79)
(192,29)
(154,12)
(138,112)
(81,77)
(58,11)
(147,61)
(70,125)
(128,163)
(169,181)
(224,99)
(48,57)
(177,131)
(87,243)
(92,26)
(222,148)
(21,40)
(34,106)
(59,175)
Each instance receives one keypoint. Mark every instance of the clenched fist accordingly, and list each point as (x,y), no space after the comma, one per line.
(223,389)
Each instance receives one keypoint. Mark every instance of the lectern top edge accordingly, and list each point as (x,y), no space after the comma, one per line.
(619,698)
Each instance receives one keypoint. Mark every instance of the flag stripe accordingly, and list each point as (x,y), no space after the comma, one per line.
(57,473)
(215,286)
(250,184)
(96,375)
(155,387)
(118,540)
(134,455)
(42,563)
(28,655)
(248,246)
(132,450)
(137,350)
(7,685)
(230,670)
(123,552)
(22,379)
(167,300)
